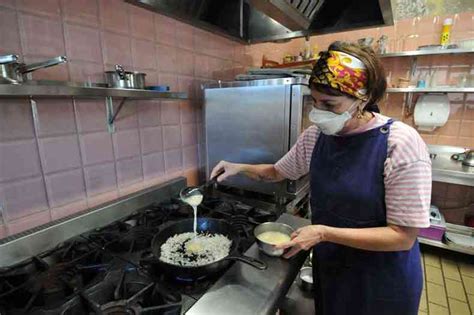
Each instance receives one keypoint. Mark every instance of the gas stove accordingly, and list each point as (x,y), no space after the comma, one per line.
(100,271)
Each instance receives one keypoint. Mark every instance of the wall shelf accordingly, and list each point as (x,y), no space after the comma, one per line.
(432,90)
(55,89)
(62,89)
(446,170)
(415,53)
(459,249)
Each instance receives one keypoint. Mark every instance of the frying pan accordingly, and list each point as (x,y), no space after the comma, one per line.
(206,225)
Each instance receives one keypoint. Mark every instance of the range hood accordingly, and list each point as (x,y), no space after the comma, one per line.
(254,21)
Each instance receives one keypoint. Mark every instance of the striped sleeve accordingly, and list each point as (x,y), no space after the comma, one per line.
(296,162)
(407,178)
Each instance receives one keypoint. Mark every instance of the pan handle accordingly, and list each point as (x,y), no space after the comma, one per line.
(44,64)
(249,261)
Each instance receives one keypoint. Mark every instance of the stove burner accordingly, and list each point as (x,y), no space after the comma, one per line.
(100,273)
(130,293)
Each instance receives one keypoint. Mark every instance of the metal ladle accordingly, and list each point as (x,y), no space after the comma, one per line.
(191,191)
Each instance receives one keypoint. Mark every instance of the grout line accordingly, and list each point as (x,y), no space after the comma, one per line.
(471,308)
(34,113)
(444,282)
(76,122)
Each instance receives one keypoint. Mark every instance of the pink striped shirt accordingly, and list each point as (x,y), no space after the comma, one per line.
(407,170)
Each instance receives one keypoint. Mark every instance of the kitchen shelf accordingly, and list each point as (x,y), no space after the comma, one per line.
(446,170)
(459,249)
(415,53)
(452,229)
(54,89)
(432,90)
(43,89)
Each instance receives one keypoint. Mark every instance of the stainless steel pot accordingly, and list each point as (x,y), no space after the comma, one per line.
(268,248)
(125,79)
(14,72)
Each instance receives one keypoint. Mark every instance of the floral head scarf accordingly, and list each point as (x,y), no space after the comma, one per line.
(342,72)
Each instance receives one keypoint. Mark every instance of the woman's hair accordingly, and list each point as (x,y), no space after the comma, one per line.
(376,82)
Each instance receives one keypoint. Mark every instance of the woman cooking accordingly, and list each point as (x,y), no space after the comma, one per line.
(370,181)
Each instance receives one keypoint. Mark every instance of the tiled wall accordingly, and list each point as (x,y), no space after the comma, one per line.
(456,201)
(69,161)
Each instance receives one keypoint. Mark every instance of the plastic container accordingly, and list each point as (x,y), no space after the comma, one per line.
(446,32)
(437,226)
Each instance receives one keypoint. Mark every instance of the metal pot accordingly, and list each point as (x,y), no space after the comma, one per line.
(125,79)
(268,248)
(14,72)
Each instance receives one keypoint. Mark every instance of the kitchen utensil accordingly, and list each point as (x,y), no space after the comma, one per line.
(205,225)
(119,78)
(268,248)
(403,82)
(14,72)
(306,278)
(190,191)
(429,47)
(365,41)
(467,158)
(382,44)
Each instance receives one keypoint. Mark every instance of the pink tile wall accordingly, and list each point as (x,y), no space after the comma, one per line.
(66,160)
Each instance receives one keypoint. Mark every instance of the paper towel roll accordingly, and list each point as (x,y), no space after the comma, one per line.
(431,111)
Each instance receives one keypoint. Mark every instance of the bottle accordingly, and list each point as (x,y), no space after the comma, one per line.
(447,24)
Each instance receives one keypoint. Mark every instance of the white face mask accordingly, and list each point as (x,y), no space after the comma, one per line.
(330,123)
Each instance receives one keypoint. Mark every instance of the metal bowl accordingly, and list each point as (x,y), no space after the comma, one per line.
(268,248)
(306,278)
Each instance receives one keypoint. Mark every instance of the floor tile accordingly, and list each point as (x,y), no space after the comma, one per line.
(468,284)
(434,275)
(458,308)
(455,290)
(470,297)
(467,269)
(423,303)
(432,260)
(438,310)
(450,269)
(436,294)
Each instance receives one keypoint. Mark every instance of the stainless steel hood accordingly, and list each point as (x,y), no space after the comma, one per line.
(253,21)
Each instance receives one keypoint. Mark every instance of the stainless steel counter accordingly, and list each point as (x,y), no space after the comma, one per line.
(247,290)
(447,170)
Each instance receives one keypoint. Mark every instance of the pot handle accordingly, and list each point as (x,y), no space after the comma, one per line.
(458,157)
(8,59)
(249,261)
(44,64)
(120,71)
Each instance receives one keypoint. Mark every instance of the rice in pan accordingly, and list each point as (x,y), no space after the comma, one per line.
(191,250)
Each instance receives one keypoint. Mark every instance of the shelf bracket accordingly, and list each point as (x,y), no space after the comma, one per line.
(111,115)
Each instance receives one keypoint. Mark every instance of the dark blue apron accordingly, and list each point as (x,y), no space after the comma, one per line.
(347,190)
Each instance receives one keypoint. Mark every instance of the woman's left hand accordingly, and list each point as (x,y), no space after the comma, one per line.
(304,239)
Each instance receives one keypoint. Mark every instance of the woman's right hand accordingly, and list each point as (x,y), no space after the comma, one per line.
(227,169)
